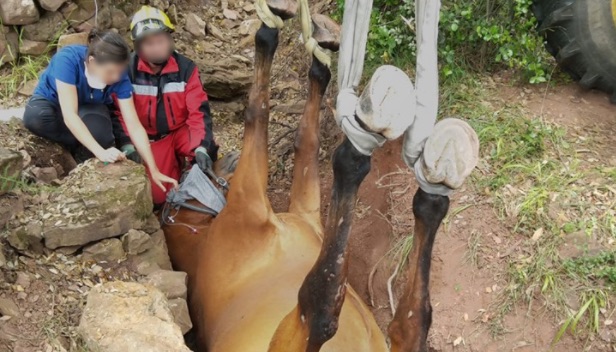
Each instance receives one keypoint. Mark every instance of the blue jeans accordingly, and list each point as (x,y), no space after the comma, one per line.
(44,118)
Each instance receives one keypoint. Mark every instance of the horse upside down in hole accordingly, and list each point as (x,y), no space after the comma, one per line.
(260,281)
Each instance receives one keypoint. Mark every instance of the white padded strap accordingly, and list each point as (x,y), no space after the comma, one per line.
(267,16)
(426,81)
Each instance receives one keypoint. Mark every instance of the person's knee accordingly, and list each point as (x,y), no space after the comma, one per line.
(37,117)
(97,118)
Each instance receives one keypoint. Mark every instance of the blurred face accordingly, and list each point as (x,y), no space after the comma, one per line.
(109,73)
(156,48)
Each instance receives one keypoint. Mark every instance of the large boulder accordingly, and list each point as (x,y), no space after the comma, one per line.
(31,47)
(127,316)
(10,169)
(226,79)
(98,201)
(18,12)
(51,5)
(73,39)
(44,30)
(9,45)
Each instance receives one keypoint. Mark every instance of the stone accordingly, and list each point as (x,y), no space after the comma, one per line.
(152,224)
(230,14)
(45,174)
(195,25)
(73,39)
(153,259)
(119,20)
(27,89)
(249,8)
(18,12)
(109,250)
(10,169)
(30,47)
(51,5)
(226,79)
(2,256)
(68,250)
(78,12)
(9,45)
(10,204)
(181,315)
(136,242)
(172,12)
(104,21)
(9,308)
(46,29)
(250,27)
(98,201)
(28,237)
(160,4)
(23,279)
(171,283)
(215,32)
(128,316)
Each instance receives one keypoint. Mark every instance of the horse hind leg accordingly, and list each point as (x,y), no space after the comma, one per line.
(305,190)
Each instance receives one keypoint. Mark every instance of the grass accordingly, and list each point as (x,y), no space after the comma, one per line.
(547,194)
(27,68)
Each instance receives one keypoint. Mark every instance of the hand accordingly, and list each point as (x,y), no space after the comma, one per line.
(203,159)
(158,178)
(111,155)
(131,153)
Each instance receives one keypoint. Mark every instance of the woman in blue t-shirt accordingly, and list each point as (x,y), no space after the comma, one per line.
(71,103)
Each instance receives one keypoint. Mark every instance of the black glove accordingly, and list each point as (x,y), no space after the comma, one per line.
(131,153)
(203,159)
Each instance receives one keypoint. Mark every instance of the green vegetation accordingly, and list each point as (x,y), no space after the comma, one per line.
(549,195)
(475,36)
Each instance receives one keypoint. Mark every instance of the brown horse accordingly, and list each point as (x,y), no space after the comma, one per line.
(260,281)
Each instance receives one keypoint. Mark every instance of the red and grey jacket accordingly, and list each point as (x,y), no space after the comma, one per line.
(171,99)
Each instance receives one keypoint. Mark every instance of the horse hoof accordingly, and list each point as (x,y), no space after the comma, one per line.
(326,32)
(285,9)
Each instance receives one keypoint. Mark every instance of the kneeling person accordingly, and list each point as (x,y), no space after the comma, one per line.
(170,100)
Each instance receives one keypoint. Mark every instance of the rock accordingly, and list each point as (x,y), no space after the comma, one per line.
(119,20)
(160,4)
(9,308)
(2,257)
(195,25)
(250,27)
(27,237)
(291,109)
(249,8)
(172,12)
(18,12)
(27,89)
(51,5)
(109,250)
(73,39)
(10,169)
(127,316)
(136,242)
(153,259)
(68,250)
(171,283)
(181,315)
(9,45)
(104,21)
(23,279)
(46,29)
(30,47)
(98,201)
(78,12)
(45,174)
(215,32)
(226,79)
(230,14)
(10,205)
(152,224)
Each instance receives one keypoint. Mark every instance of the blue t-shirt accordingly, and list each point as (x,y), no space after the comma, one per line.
(68,66)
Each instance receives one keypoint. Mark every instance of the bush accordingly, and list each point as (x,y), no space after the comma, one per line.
(475,35)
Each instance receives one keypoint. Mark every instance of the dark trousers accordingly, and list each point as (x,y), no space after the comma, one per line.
(44,118)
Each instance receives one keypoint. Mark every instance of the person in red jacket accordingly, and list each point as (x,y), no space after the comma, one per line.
(169,98)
